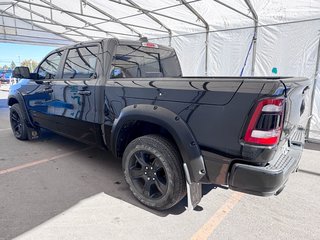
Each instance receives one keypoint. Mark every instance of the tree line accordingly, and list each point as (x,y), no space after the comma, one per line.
(30,63)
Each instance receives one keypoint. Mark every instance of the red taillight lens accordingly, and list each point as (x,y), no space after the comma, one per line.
(266,123)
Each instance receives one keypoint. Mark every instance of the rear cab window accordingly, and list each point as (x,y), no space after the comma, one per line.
(134,61)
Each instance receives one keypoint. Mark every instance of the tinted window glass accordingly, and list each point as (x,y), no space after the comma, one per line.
(49,67)
(81,63)
(143,62)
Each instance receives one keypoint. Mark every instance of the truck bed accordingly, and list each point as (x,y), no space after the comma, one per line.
(215,108)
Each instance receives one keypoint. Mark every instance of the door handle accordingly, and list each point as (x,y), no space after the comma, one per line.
(84,92)
(48,90)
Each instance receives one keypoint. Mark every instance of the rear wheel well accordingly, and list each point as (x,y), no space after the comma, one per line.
(135,129)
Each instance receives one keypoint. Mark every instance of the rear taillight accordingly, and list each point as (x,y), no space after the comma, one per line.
(266,123)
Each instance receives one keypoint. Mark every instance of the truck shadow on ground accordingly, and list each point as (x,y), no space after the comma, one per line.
(53,188)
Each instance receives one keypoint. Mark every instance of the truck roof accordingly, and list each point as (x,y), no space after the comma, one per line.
(120,41)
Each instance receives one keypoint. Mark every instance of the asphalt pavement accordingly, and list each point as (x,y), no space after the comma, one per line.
(57,188)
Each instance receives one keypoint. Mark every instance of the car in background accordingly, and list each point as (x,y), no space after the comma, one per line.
(6,77)
(1,74)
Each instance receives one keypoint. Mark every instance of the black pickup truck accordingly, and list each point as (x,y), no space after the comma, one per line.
(173,133)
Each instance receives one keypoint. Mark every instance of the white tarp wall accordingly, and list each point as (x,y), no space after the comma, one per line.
(291,49)
(315,120)
(287,33)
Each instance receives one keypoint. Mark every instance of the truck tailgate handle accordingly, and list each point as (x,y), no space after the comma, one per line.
(84,92)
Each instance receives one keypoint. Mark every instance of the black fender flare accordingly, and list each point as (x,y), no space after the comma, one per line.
(176,126)
(19,98)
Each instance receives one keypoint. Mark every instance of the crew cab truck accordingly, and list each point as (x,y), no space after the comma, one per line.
(172,133)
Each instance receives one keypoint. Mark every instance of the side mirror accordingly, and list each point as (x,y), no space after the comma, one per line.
(21,72)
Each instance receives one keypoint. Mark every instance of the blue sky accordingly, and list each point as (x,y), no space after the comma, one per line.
(11,52)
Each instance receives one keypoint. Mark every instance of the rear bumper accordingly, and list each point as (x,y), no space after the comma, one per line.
(268,180)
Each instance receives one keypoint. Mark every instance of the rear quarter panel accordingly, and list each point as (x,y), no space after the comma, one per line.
(214,109)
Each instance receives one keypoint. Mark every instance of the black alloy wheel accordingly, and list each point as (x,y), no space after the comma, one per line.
(17,121)
(153,169)
(148,174)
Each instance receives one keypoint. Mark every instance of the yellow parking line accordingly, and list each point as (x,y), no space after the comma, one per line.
(208,228)
(31,164)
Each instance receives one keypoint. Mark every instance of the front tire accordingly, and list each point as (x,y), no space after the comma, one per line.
(18,122)
(153,169)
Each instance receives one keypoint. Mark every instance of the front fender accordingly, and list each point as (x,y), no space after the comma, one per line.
(17,97)
(176,126)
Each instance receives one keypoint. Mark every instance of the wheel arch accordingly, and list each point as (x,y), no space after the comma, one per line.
(18,98)
(168,123)
(12,100)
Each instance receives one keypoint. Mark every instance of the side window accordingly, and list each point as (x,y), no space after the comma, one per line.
(81,63)
(49,67)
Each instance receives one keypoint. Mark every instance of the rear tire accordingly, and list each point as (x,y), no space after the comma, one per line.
(153,169)
(18,122)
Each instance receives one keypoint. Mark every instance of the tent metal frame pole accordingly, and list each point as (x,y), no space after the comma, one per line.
(198,15)
(317,71)
(125,34)
(4,11)
(29,42)
(5,3)
(156,13)
(242,28)
(51,13)
(234,9)
(112,17)
(102,19)
(11,5)
(15,20)
(36,25)
(4,28)
(94,17)
(50,20)
(38,37)
(69,27)
(38,30)
(78,18)
(133,4)
(81,6)
(255,36)
(31,17)
(158,9)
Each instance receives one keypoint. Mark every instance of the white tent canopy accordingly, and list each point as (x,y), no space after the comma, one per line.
(211,37)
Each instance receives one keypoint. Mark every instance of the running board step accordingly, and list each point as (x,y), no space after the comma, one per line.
(298,138)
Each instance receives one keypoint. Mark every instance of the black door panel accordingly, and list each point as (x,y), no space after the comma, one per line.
(74,94)
(39,95)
